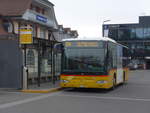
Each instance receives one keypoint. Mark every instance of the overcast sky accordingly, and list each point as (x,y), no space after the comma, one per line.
(87,16)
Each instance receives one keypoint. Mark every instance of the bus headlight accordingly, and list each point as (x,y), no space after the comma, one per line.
(64,81)
(101,82)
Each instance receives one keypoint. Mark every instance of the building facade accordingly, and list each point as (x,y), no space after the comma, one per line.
(65,33)
(136,36)
(34,25)
(33,22)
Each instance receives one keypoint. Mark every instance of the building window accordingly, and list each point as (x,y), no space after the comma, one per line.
(133,33)
(139,46)
(34,30)
(30,57)
(31,6)
(147,33)
(124,34)
(42,33)
(113,33)
(139,33)
(8,26)
(133,46)
(49,61)
(38,10)
(43,11)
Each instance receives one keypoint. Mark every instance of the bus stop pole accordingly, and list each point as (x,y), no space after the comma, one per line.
(52,63)
(25,70)
(53,68)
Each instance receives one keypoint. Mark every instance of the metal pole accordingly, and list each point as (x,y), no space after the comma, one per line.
(39,67)
(25,58)
(103,26)
(25,70)
(51,61)
(25,62)
(52,64)
(53,67)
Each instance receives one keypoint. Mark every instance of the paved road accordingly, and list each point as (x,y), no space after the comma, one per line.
(133,97)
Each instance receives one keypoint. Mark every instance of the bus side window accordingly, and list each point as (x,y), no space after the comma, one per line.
(114,56)
(110,56)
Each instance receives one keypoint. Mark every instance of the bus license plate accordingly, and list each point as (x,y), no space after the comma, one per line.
(82,86)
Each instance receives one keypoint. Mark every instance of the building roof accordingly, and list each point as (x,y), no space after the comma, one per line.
(49,2)
(60,26)
(75,32)
(14,7)
(91,38)
(67,29)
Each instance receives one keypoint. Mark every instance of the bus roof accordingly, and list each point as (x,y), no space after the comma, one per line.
(89,38)
(94,39)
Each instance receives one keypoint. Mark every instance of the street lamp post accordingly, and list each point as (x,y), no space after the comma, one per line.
(103,25)
(106,21)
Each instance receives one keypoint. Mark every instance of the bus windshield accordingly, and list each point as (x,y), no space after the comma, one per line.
(84,60)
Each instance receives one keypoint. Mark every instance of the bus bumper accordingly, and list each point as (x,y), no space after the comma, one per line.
(104,83)
(106,86)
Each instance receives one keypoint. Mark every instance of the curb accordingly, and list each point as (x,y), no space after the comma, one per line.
(42,91)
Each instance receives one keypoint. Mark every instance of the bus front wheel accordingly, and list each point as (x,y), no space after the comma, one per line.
(124,77)
(114,81)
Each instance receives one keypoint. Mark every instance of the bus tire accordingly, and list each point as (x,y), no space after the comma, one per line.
(124,77)
(114,81)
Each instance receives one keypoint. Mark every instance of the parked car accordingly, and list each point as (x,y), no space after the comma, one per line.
(133,66)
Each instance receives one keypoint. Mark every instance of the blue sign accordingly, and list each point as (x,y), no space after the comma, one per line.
(41,18)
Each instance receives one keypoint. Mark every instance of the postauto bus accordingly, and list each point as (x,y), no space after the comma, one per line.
(93,63)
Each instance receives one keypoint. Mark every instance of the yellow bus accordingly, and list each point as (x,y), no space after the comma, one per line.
(93,63)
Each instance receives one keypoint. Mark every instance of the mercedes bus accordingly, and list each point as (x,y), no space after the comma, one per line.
(93,63)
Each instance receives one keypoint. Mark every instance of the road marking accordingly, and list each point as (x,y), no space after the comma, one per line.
(11,104)
(109,98)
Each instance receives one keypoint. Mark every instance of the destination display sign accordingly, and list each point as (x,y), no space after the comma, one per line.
(84,44)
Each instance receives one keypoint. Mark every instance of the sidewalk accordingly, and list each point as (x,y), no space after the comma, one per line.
(44,88)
